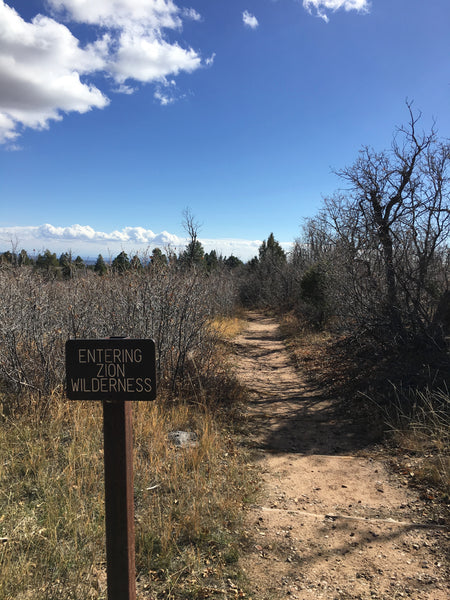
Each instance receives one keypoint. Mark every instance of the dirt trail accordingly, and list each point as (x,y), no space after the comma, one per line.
(331,521)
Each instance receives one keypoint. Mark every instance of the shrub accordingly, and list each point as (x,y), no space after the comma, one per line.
(38,314)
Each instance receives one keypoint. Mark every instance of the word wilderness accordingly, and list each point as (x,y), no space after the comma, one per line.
(108,369)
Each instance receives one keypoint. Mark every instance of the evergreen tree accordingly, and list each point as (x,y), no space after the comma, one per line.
(272,251)
(158,260)
(313,291)
(136,263)
(253,263)
(211,260)
(121,263)
(47,262)
(266,282)
(24,259)
(79,263)
(100,267)
(193,255)
(65,262)
(233,261)
(6,258)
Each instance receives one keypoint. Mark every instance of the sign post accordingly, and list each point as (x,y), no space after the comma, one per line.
(119,500)
(115,370)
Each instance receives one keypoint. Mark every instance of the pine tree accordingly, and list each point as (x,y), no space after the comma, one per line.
(158,260)
(211,260)
(47,262)
(100,267)
(24,259)
(136,263)
(65,262)
(272,251)
(193,255)
(233,261)
(121,263)
(6,258)
(79,263)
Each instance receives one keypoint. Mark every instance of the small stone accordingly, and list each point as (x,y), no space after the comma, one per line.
(183,439)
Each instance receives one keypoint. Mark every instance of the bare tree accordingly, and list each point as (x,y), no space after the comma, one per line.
(194,252)
(393,223)
(38,314)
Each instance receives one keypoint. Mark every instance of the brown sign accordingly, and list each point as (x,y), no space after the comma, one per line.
(108,369)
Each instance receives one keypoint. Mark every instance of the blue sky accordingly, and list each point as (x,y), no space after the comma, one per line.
(115,115)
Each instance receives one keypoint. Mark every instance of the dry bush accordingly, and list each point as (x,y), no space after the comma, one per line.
(172,306)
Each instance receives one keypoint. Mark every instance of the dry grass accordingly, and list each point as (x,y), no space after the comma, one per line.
(422,431)
(228,327)
(51,503)
(188,503)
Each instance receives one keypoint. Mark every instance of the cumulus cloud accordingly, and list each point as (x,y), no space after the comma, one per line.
(41,64)
(120,14)
(45,71)
(321,6)
(82,233)
(87,242)
(249,20)
(145,59)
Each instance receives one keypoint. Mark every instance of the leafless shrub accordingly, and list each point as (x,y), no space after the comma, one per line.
(172,306)
(382,244)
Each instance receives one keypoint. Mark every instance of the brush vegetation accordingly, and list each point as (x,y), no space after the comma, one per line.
(188,500)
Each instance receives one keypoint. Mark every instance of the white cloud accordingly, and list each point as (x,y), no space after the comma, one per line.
(84,239)
(321,6)
(40,67)
(45,71)
(124,89)
(166,92)
(162,98)
(191,13)
(249,20)
(120,14)
(210,60)
(145,59)
(87,242)
(81,232)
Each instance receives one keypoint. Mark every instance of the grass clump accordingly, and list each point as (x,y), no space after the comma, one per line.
(228,327)
(420,425)
(188,502)
(51,503)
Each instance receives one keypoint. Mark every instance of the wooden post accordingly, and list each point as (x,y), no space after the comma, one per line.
(119,500)
(116,371)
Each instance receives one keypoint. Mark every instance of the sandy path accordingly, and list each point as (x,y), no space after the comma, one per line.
(331,522)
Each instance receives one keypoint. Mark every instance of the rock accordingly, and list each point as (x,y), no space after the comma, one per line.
(183,439)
